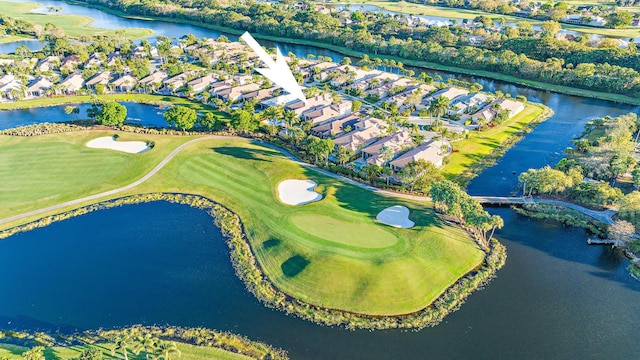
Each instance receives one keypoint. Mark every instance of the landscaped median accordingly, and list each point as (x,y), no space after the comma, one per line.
(290,257)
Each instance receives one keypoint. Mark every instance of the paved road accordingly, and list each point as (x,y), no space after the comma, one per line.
(603,216)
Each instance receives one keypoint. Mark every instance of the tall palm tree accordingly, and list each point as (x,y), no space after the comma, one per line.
(166,349)
(122,344)
(146,343)
(438,107)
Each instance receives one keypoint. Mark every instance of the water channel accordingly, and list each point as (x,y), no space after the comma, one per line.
(556,297)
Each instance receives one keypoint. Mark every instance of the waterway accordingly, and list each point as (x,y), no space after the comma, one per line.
(137,114)
(162,263)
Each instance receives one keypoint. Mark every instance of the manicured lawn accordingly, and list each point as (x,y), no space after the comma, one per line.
(12,38)
(189,352)
(319,252)
(73,25)
(47,170)
(331,253)
(482,143)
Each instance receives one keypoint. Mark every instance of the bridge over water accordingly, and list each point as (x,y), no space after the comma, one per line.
(604,216)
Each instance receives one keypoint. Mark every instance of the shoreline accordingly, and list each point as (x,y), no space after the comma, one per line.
(250,272)
(560,89)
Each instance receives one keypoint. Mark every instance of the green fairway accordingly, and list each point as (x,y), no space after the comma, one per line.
(47,170)
(482,143)
(189,352)
(397,271)
(331,253)
(73,25)
(352,233)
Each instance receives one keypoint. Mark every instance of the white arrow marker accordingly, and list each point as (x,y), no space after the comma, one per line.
(277,71)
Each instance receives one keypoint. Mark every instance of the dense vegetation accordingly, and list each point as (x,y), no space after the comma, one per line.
(382,35)
(150,342)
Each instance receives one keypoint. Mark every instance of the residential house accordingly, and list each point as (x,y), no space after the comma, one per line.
(260,94)
(124,83)
(70,62)
(71,84)
(467,103)
(325,113)
(101,78)
(201,84)
(178,81)
(38,87)
(433,151)
(9,85)
(397,142)
(94,60)
(489,112)
(48,63)
(234,93)
(300,107)
(336,126)
(366,131)
(450,93)
(153,80)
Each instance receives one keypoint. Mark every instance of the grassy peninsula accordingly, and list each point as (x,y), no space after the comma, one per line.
(297,248)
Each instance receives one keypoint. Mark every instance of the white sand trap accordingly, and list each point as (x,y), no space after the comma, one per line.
(298,192)
(396,216)
(108,142)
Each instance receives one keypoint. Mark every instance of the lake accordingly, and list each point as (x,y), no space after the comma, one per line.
(137,114)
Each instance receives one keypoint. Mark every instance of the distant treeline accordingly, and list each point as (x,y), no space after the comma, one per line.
(541,59)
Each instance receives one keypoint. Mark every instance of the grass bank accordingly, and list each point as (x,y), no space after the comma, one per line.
(189,352)
(408,272)
(483,148)
(12,38)
(73,25)
(415,63)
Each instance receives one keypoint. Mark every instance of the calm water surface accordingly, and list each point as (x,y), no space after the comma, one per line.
(140,114)
(163,263)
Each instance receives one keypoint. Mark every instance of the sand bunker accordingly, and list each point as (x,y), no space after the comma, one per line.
(396,216)
(109,142)
(298,192)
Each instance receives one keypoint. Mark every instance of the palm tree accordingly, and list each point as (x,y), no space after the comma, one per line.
(34,354)
(438,107)
(146,343)
(122,344)
(166,349)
